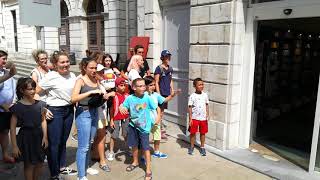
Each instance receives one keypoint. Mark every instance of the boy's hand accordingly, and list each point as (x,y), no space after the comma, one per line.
(112,124)
(123,110)
(190,122)
(15,151)
(44,143)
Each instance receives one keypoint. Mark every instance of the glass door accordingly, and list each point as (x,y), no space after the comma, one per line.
(268,11)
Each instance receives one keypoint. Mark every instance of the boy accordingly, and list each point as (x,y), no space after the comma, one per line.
(156,130)
(198,115)
(164,83)
(140,106)
(117,119)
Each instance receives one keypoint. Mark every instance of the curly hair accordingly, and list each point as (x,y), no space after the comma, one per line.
(23,84)
(37,52)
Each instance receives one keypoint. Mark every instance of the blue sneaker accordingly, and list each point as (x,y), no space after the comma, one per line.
(190,150)
(160,155)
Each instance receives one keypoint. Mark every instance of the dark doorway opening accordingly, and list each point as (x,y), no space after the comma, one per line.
(287,70)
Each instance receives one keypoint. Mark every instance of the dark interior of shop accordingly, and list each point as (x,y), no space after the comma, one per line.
(287,70)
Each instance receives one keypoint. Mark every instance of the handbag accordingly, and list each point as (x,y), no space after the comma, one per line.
(96,100)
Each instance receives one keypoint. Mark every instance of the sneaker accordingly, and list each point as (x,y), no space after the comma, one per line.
(190,150)
(92,171)
(160,155)
(83,178)
(203,152)
(68,171)
(74,137)
(110,156)
(56,178)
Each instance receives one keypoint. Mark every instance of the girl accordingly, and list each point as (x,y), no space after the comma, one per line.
(98,147)
(32,138)
(38,73)
(110,73)
(59,84)
(86,87)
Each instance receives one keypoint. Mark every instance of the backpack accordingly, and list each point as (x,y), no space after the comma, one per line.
(163,70)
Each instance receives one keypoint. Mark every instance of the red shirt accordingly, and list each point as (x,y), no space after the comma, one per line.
(117,101)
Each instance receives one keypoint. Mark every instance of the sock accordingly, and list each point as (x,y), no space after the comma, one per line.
(156,152)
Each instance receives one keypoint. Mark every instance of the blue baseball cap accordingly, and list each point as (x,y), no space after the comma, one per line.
(165,53)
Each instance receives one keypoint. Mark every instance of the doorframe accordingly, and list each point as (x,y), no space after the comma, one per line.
(270,11)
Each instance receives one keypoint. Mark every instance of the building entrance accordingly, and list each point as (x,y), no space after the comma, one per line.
(287,67)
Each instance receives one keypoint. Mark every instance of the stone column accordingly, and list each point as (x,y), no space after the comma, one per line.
(115,29)
(214,45)
(78,35)
(151,27)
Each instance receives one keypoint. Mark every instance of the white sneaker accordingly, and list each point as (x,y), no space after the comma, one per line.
(83,178)
(110,156)
(92,171)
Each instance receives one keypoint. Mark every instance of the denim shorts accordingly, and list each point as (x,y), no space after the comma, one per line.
(138,139)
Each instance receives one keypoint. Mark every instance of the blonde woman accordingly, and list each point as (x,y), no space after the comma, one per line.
(134,68)
(39,72)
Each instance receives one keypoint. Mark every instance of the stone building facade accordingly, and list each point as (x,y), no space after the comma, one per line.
(85,24)
(216,30)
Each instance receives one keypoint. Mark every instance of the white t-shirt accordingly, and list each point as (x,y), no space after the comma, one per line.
(133,74)
(59,88)
(198,104)
(109,79)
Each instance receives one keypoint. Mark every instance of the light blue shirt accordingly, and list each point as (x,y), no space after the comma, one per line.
(140,111)
(7,92)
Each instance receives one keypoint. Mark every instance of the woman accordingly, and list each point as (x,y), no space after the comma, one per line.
(59,84)
(86,88)
(7,93)
(134,68)
(38,73)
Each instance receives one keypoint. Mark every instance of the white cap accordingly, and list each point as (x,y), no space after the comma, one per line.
(100,67)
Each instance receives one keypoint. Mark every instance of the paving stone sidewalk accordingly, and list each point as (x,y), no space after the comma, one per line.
(179,165)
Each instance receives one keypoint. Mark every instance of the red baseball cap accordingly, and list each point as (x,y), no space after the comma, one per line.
(120,80)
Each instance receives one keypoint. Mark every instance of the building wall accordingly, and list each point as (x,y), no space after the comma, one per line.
(217,29)
(216,37)
(117,29)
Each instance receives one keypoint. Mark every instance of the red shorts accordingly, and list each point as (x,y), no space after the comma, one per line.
(201,125)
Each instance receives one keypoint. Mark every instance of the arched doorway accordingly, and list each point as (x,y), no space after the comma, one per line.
(64,36)
(95,25)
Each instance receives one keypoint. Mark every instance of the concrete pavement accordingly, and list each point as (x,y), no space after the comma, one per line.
(179,165)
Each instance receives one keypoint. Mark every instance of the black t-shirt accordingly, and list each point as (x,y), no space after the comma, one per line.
(29,115)
(143,71)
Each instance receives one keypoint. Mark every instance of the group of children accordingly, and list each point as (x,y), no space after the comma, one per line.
(137,115)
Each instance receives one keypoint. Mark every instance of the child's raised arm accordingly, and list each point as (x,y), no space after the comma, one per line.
(13,125)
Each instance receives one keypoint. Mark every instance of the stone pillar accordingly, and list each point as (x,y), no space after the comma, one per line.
(51,39)
(152,27)
(78,35)
(115,29)
(214,44)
